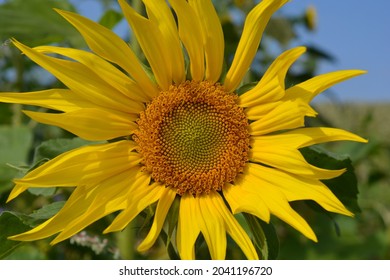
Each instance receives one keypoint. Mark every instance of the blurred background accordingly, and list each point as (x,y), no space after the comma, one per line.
(339,35)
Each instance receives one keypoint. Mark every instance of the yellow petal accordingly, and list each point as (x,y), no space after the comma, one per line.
(90,124)
(298,188)
(154,48)
(83,165)
(213,39)
(163,206)
(257,112)
(208,214)
(137,200)
(16,191)
(83,202)
(105,70)
(242,199)
(254,26)
(57,99)
(108,45)
(190,32)
(271,86)
(309,89)
(277,203)
(83,82)
(234,229)
(109,196)
(290,160)
(303,137)
(287,115)
(82,221)
(212,225)
(188,228)
(159,12)
(77,203)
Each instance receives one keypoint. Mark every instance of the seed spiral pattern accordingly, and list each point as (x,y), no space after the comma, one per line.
(193,137)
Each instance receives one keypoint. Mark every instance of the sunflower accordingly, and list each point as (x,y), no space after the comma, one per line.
(181,133)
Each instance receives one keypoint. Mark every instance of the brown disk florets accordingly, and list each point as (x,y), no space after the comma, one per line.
(193,137)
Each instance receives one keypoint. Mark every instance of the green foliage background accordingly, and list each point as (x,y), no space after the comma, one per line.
(25,144)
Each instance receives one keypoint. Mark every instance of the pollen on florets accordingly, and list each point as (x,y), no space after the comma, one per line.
(193,137)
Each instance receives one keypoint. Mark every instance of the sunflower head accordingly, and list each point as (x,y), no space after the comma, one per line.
(194,137)
(182,134)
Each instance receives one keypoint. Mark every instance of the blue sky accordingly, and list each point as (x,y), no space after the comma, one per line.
(357,34)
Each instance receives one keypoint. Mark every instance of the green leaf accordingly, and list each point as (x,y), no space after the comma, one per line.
(15,144)
(173,255)
(258,235)
(7,173)
(172,218)
(42,191)
(47,211)
(34,22)
(344,186)
(110,19)
(147,216)
(29,251)
(5,109)
(10,224)
(54,147)
(166,234)
(361,152)
(265,238)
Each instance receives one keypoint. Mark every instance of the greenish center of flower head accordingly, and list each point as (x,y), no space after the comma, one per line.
(193,137)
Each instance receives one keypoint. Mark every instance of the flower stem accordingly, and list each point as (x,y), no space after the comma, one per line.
(19,68)
(125,242)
